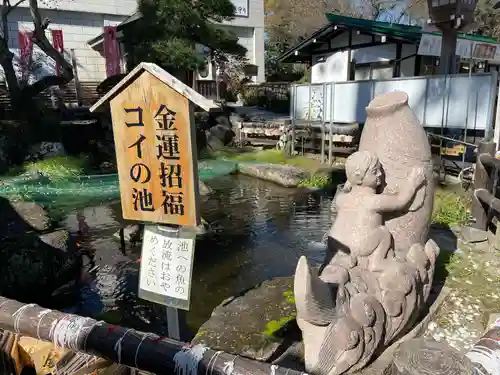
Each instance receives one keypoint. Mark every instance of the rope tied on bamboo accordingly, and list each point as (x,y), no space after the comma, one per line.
(144,337)
(211,362)
(186,361)
(229,366)
(67,331)
(18,314)
(40,316)
(118,346)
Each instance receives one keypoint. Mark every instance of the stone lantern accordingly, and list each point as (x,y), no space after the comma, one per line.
(450,16)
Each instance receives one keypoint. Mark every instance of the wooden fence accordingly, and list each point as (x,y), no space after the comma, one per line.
(280,89)
(87,93)
(209,90)
(486,205)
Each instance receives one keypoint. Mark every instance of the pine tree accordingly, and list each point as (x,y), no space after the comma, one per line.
(168,31)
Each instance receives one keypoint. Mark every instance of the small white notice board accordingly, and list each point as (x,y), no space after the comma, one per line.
(166,266)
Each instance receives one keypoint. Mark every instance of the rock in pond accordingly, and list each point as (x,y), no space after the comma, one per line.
(256,324)
(204,189)
(284,175)
(34,261)
(133,233)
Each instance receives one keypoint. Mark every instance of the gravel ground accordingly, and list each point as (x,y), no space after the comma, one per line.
(473,275)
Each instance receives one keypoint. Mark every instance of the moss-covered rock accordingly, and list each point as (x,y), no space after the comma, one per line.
(204,189)
(34,262)
(281,174)
(257,324)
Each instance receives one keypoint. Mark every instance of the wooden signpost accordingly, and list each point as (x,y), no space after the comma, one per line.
(154,133)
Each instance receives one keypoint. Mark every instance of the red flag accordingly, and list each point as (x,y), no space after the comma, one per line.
(25,52)
(111,51)
(58,44)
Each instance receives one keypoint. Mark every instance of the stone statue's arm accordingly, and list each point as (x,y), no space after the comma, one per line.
(388,203)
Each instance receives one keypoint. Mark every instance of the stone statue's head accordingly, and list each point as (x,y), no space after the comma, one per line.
(363,169)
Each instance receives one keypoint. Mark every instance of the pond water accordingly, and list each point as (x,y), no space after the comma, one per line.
(259,232)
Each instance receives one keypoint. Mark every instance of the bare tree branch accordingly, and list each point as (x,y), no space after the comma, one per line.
(12,7)
(40,39)
(5,21)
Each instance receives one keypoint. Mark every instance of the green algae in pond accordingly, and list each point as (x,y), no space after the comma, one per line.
(290,298)
(274,326)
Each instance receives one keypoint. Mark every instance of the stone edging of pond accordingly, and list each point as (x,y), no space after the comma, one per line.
(38,263)
(288,175)
(267,331)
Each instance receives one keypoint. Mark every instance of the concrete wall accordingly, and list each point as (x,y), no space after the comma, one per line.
(333,67)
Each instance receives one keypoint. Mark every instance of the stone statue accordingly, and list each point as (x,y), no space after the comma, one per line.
(369,292)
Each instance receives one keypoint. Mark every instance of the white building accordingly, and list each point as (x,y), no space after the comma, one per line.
(348,49)
(82,23)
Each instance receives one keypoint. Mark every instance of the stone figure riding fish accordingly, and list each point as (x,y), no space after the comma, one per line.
(380,264)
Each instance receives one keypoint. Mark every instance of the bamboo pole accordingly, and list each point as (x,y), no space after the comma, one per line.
(145,351)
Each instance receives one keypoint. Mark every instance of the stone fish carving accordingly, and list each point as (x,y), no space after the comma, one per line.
(373,283)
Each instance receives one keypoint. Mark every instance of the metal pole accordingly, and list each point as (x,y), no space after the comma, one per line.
(330,130)
(175,317)
(323,120)
(447,63)
(471,64)
(173,323)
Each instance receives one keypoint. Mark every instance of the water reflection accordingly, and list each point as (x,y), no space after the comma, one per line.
(260,231)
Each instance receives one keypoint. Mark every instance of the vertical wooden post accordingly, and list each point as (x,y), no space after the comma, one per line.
(78,92)
(482,180)
(330,146)
(322,143)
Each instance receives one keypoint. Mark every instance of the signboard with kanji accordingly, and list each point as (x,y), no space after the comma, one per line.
(166,266)
(154,132)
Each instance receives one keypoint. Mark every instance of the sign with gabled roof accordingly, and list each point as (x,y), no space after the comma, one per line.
(168,79)
(154,132)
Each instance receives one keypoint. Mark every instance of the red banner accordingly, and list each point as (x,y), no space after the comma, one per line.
(111,51)
(58,44)
(25,52)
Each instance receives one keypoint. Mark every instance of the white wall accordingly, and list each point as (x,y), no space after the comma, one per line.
(82,20)
(78,28)
(116,7)
(330,67)
(333,67)
(252,25)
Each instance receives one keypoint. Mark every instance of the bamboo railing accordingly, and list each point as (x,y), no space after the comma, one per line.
(141,350)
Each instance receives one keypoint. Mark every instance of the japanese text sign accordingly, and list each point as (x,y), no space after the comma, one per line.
(166,267)
(153,127)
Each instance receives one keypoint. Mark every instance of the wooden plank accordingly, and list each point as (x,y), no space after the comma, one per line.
(153,127)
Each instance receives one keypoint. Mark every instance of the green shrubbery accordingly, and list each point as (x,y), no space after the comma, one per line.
(56,168)
(265,98)
(451,208)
